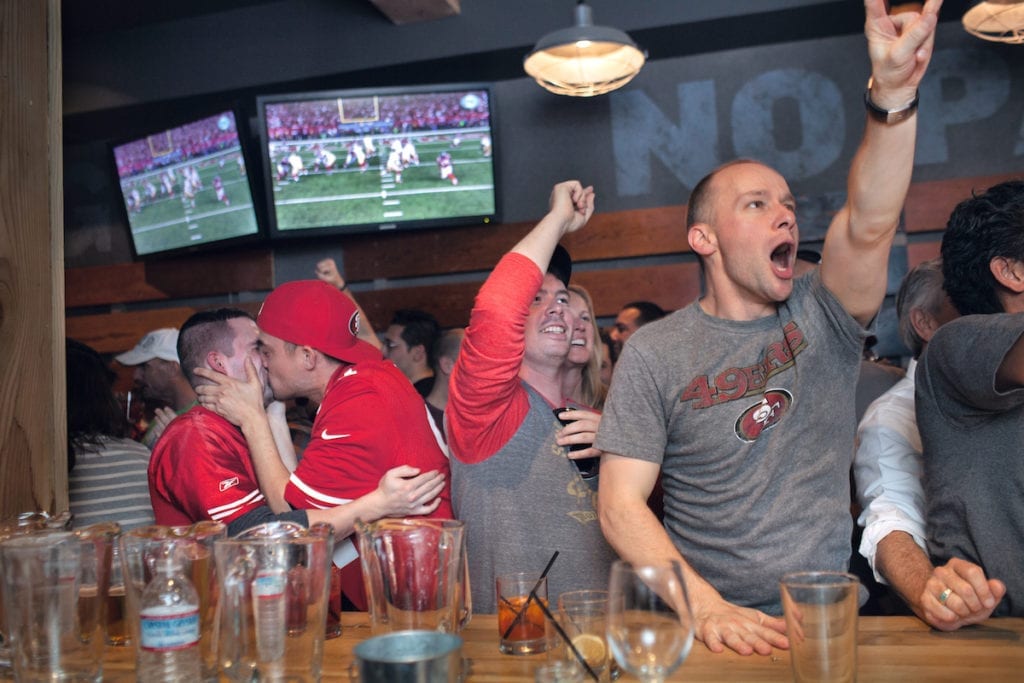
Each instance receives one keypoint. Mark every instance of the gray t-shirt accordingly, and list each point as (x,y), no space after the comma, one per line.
(973,436)
(522,504)
(753,425)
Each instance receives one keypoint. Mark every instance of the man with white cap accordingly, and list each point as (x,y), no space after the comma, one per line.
(159,379)
(370,418)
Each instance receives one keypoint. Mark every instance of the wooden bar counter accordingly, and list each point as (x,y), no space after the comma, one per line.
(889,649)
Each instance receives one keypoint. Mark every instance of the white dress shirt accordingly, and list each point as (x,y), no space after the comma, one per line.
(888,470)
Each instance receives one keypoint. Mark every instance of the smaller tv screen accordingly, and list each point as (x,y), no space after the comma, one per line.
(187,187)
(367,160)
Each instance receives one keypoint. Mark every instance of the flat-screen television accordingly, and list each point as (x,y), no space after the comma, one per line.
(187,188)
(386,159)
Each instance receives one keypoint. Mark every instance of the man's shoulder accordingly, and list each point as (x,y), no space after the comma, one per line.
(197,417)
(195,423)
(374,377)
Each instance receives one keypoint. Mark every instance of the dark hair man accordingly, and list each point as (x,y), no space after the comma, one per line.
(970,406)
(632,317)
(409,344)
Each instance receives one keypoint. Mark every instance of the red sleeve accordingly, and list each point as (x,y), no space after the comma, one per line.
(486,402)
(200,469)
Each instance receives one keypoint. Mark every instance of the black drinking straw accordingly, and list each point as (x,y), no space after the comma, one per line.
(529,599)
(568,641)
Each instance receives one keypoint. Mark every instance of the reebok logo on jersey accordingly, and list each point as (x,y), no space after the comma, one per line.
(228,483)
(331,437)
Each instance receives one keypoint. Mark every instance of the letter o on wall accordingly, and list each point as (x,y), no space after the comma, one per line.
(818,127)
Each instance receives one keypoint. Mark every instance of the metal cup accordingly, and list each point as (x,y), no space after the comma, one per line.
(410,657)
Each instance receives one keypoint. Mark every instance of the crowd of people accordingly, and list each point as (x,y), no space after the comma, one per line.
(383,115)
(190,141)
(736,413)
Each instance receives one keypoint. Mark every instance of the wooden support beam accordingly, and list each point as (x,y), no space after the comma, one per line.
(33,425)
(413,11)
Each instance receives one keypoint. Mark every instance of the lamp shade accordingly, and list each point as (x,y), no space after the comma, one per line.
(997,20)
(584,60)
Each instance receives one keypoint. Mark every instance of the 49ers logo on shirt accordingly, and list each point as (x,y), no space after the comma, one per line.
(763,415)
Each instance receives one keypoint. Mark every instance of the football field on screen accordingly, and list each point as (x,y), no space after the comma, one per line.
(171,222)
(348,196)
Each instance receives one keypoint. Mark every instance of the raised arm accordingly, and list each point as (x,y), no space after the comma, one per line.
(856,251)
(637,536)
(570,207)
(327,270)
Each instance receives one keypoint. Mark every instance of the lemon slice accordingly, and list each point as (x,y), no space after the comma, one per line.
(591,648)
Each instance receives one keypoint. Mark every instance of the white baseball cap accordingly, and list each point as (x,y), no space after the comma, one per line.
(162,343)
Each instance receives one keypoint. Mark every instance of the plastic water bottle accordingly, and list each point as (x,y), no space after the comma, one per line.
(169,627)
(269,608)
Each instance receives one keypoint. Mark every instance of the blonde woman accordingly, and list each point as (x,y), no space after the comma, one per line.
(582,382)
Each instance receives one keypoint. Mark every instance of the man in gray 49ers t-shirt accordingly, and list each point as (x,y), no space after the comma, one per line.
(745,399)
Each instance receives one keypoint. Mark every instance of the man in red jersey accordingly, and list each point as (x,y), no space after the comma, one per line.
(370,418)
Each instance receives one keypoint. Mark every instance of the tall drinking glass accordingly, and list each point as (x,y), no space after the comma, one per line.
(17,525)
(650,626)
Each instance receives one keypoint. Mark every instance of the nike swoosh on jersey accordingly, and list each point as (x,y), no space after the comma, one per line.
(330,437)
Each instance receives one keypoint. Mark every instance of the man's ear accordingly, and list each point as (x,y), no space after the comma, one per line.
(1008,272)
(446,364)
(419,353)
(215,359)
(308,356)
(701,239)
(923,323)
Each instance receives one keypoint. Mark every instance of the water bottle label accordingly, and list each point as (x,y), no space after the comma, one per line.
(269,584)
(169,628)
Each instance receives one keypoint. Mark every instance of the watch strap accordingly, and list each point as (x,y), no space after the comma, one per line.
(889,116)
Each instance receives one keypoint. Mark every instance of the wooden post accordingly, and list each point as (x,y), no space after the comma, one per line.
(33,451)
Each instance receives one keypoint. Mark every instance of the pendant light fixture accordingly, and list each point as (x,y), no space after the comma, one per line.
(997,20)
(584,60)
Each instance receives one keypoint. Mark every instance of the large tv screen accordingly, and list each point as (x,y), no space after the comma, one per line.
(187,188)
(368,160)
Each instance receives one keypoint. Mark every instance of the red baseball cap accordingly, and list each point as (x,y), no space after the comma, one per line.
(313,313)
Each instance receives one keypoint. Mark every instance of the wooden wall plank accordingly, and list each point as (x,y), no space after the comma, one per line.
(670,286)
(618,234)
(917,252)
(929,203)
(217,273)
(116,332)
(102,285)
(182,277)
